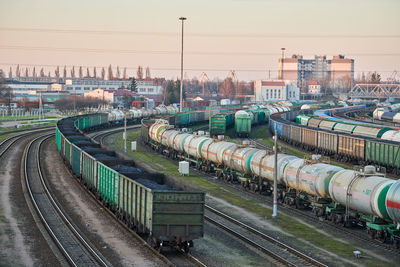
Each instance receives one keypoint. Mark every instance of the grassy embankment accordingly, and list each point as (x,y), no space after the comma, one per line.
(303,233)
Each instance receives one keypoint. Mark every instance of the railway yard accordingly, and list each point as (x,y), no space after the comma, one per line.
(72,195)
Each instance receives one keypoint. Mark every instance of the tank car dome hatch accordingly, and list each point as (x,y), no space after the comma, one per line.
(369,169)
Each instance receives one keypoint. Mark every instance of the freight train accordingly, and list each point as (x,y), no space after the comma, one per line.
(343,146)
(389,113)
(142,200)
(344,196)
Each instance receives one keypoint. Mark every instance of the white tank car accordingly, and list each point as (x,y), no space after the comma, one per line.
(170,137)
(156,128)
(195,146)
(236,158)
(216,150)
(187,146)
(163,135)
(389,135)
(179,141)
(262,164)
(363,193)
(310,178)
(393,202)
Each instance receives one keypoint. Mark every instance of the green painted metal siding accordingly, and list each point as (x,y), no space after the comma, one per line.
(178,214)
(89,170)
(108,184)
(67,150)
(58,139)
(76,157)
(383,153)
(86,122)
(243,125)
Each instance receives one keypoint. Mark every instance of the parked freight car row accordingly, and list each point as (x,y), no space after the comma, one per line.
(343,196)
(344,145)
(169,217)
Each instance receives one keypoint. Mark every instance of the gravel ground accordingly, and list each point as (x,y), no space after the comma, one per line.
(110,238)
(21,242)
(218,248)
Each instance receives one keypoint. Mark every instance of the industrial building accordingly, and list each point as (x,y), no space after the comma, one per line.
(275,90)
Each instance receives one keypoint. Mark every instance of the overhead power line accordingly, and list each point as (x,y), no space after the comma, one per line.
(199,34)
(166,68)
(167,52)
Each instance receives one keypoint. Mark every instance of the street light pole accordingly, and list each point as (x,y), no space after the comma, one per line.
(275,207)
(283,56)
(181,98)
(125,131)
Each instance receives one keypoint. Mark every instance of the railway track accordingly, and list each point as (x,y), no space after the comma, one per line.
(261,241)
(7,143)
(75,248)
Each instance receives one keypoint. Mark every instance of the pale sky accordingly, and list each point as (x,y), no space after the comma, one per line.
(220,35)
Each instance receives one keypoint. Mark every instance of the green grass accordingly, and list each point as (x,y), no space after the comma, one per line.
(284,221)
(22,118)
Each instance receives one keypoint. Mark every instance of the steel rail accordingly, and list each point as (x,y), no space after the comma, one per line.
(73,240)
(266,237)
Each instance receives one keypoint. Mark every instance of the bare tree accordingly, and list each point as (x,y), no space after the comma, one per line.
(124,75)
(227,88)
(80,72)
(5,94)
(148,73)
(117,75)
(94,73)
(41,72)
(65,72)
(139,73)
(49,75)
(10,73)
(34,72)
(57,72)
(26,72)
(73,72)
(110,73)
(103,73)
(87,73)
(18,72)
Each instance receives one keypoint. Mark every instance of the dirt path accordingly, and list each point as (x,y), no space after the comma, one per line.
(111,239)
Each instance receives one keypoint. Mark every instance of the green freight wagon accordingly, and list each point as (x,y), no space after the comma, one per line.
(220,123)
(89,171)
(76,159)
(384,153)
(243,121)
(108,182)
(169,217)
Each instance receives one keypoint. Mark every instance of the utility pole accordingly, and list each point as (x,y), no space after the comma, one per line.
(283,56)
(275,207)
(181,98)
(125,131)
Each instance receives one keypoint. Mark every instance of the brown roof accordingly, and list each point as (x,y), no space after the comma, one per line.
(272,83)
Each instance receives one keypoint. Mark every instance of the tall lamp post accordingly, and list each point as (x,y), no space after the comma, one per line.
(181,98)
